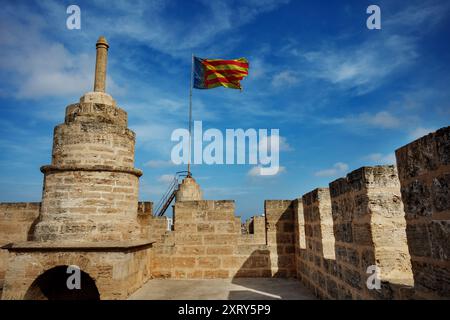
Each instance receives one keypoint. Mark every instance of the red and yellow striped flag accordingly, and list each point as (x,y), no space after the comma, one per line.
(211,73)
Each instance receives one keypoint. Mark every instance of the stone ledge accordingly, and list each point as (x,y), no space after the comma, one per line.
(52,168)
(77,246)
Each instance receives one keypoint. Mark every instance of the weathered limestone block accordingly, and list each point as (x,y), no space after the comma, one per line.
(94,143)
(188,190)
(314,258)
(424,171)
(91,187)
(369,228)
(281,236)
(317,214)
(16,224)
(115,274)
(89,206)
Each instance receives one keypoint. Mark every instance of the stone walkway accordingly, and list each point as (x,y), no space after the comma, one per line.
(223,289)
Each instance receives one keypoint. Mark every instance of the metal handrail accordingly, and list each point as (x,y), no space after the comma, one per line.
(168,196)
(165,196)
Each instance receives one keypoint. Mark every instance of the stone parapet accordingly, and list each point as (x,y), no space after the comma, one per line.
(424,171)
(280,236)
(369,230)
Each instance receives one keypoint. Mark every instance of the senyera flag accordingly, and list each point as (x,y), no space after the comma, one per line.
(212,73)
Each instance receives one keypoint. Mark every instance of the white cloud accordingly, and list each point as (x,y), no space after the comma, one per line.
(420,132)
(148,23)
(38,67)
(152,134)
(379,158)
(258,68)
(159,163)
(267,143)
(367,65)
(421,16)
(284,79)
(166,178)
(363,67)
(256,172)
(381,119)
(338,168)
(214,192)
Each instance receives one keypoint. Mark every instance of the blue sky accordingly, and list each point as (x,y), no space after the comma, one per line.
(342,96)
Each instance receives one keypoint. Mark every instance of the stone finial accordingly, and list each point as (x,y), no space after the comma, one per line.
(100,64)
(188,190)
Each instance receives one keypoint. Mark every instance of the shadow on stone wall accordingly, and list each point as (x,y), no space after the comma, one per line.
(276,260)
(281,243)
(30,234)
(258,264)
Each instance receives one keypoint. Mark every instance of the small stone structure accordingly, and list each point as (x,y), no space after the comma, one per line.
(188,190)
(335,240)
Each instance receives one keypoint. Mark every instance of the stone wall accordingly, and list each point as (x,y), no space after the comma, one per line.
(280,232)
(207,243)
(256,231)
(16,221)
(316,260)
(408,243)
(117,273)
(369,228)
(424,171)
(357,224)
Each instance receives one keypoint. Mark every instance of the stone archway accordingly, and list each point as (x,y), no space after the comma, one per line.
(51,285)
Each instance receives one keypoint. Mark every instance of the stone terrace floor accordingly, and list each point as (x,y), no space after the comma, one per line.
(223,289)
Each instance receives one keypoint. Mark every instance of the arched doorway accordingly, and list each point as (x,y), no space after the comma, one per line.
(52,285)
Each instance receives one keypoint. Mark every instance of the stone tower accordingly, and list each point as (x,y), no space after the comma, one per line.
(188,190)
(89,212)
(91,187)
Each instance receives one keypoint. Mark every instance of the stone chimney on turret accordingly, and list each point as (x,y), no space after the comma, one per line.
(100,64)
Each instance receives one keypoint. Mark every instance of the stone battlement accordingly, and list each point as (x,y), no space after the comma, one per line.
(333,239)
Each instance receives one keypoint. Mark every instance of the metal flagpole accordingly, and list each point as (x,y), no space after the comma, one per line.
(190,116)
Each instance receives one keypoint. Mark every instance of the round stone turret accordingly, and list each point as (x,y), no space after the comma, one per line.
(188,190)
(91,186)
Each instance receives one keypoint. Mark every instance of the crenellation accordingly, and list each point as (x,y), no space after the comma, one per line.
(424,173)
(359,224)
